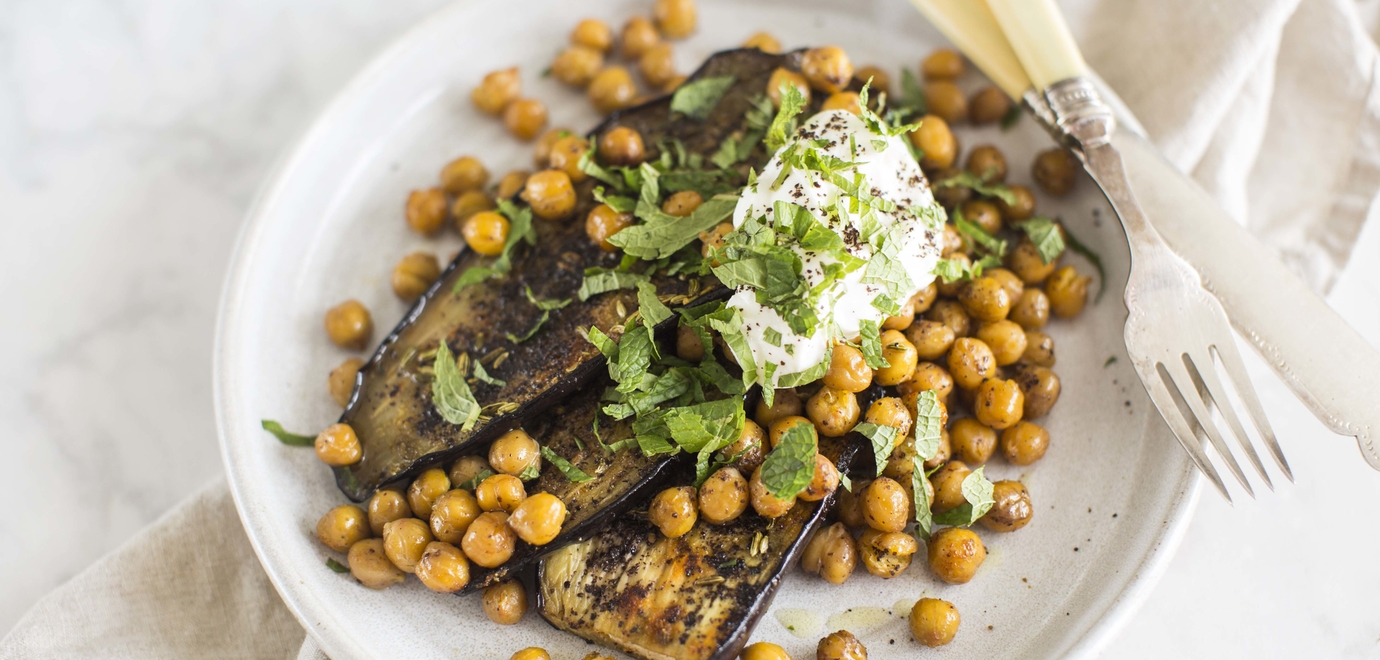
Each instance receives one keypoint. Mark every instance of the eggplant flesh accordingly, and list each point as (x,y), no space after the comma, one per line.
(693,597)
(391,410)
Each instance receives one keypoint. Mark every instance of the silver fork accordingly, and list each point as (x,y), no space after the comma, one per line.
(1176,327)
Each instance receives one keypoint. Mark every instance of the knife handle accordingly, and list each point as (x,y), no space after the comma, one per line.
(969,24)
(1041,40)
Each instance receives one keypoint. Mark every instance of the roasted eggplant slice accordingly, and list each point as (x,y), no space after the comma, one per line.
(692,598)
(392,411)
(619,477)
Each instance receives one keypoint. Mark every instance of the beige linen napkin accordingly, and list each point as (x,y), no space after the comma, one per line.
(1270,104)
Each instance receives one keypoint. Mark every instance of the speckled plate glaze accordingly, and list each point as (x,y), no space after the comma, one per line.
(1112,496)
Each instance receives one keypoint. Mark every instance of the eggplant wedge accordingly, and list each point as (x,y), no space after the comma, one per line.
(391,410)
(696,597)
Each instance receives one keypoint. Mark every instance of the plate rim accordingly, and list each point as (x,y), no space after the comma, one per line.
(330,634)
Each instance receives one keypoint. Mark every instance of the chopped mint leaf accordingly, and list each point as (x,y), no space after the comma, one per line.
(618,203)
(1044,233)
(921,497)
(483,376)
(697,99)
(977,491)
(1077,246)
(883,441)
(599,280)
(653,311)
(474,481)
(792,103)
(772,336)
(336,566)
(664,235)
(912,94)
(1110,361)
(532,472)
(289,439)
(590,166)
(1012,116)
(979,236)
(634,358)
(532,331)
(570,471)
(807,376)
(872,344)
(450,394)
(519,229)
(972,181)
(789,467)
(549,304)
(928,425)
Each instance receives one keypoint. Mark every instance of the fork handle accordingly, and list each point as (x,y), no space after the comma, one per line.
(1041,39)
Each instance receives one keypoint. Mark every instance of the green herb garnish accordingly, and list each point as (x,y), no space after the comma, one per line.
(883,441)
(872,344)
(532,471)
(652,310)
(482,375)
(1012,116)
(790,467)
(336,566)
(697,99)
(570,471)
(1044,233)
(977,493)
(519,229)
(978,185)
(546,306)
(285,437)
(792,103)
(600,280)
(1077,246)
(474,481)
(978,236)
(450,394)
(665,235)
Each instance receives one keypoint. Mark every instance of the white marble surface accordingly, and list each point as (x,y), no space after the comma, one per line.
(132,137)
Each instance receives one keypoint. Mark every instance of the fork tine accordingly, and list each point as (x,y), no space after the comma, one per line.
(1214,395)
(1157,386)
(1179,375)
(1236,372)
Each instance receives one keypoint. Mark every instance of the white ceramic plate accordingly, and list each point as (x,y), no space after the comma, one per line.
(1112,496)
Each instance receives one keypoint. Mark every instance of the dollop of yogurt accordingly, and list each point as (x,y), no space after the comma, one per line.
(889,172)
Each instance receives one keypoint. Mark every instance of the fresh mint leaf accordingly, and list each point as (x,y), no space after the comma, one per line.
(519,229)
(532,331)
(289,439)
(710,372)
(483,376)
(450,394)
(665,235)
(590,166)
(653,311)
(1110,361)
(921,497)
(570,471)
(336,566)
(789,467)
(474,481)
(979,236)
(531,472)
(618,203)
(604,343)
(697,99)
(872,344)
(710,426)
(546,304)
(473,275)
(634,358)
(929,426)
(1077,246)
(792,103)
(1012,116)
(883,441)
(807,376)
(602,281)
(977,493)
(975,183)
(1044,233)
(912,94)
(772,336)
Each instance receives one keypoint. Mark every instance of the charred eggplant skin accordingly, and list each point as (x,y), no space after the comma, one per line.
(391,409)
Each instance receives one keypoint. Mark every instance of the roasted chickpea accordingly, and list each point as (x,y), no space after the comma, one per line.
(824,483)
(1005,338)
(658,65)
(782,77)
(831,553)
(1041,387)
(1022,209)
(451,515)
(902,319)
(489,541)
(531,653)
(764,651)
(1031,310)
(349,325)
(425,489)
(338,446)
(713,239)
(1011,509)
(886,554)
(885,505)
(879,81)
(942,64)
(847,101)
(971,362)
(464,174)
(675,18)
(946,100)
(764,502)
(840,645)
(514,452)
(1009,281)
(778,429)
(931,339)
(682,204)
(386,506)
(510,185)
(689,346)
(595,655)
(955,554)
(541,150)
(639,35)
(577,65)
(848,369)
(1024,443)
(370,565)
(750,449)
(785,403)
(1067,291)
(404,541)
(983,214)
(849,508)
(500,492)
(1039,349)
(988,106)
(901,357)
(1025,261)
(538,519)
(603,222)
(985,299)
(342,527)
(929,376)
(941,456)
(486,233)
(827,68)
(505,602)
(950,197)
(443,568)
(467,204)
(999,403)
(948,485)
(592,33)
(1055,171)
(497,90)
(933,622)
(987,163)
(973,442)
(952,314)
(341,382)
(724,496)
(622,146)
(900,465)
(936,143)
(925,299)
(890,411)
(613,89)
(763,42)
(834,412)
(566,154)
(550,194)
(525,118)
(673,511)
(465,469)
